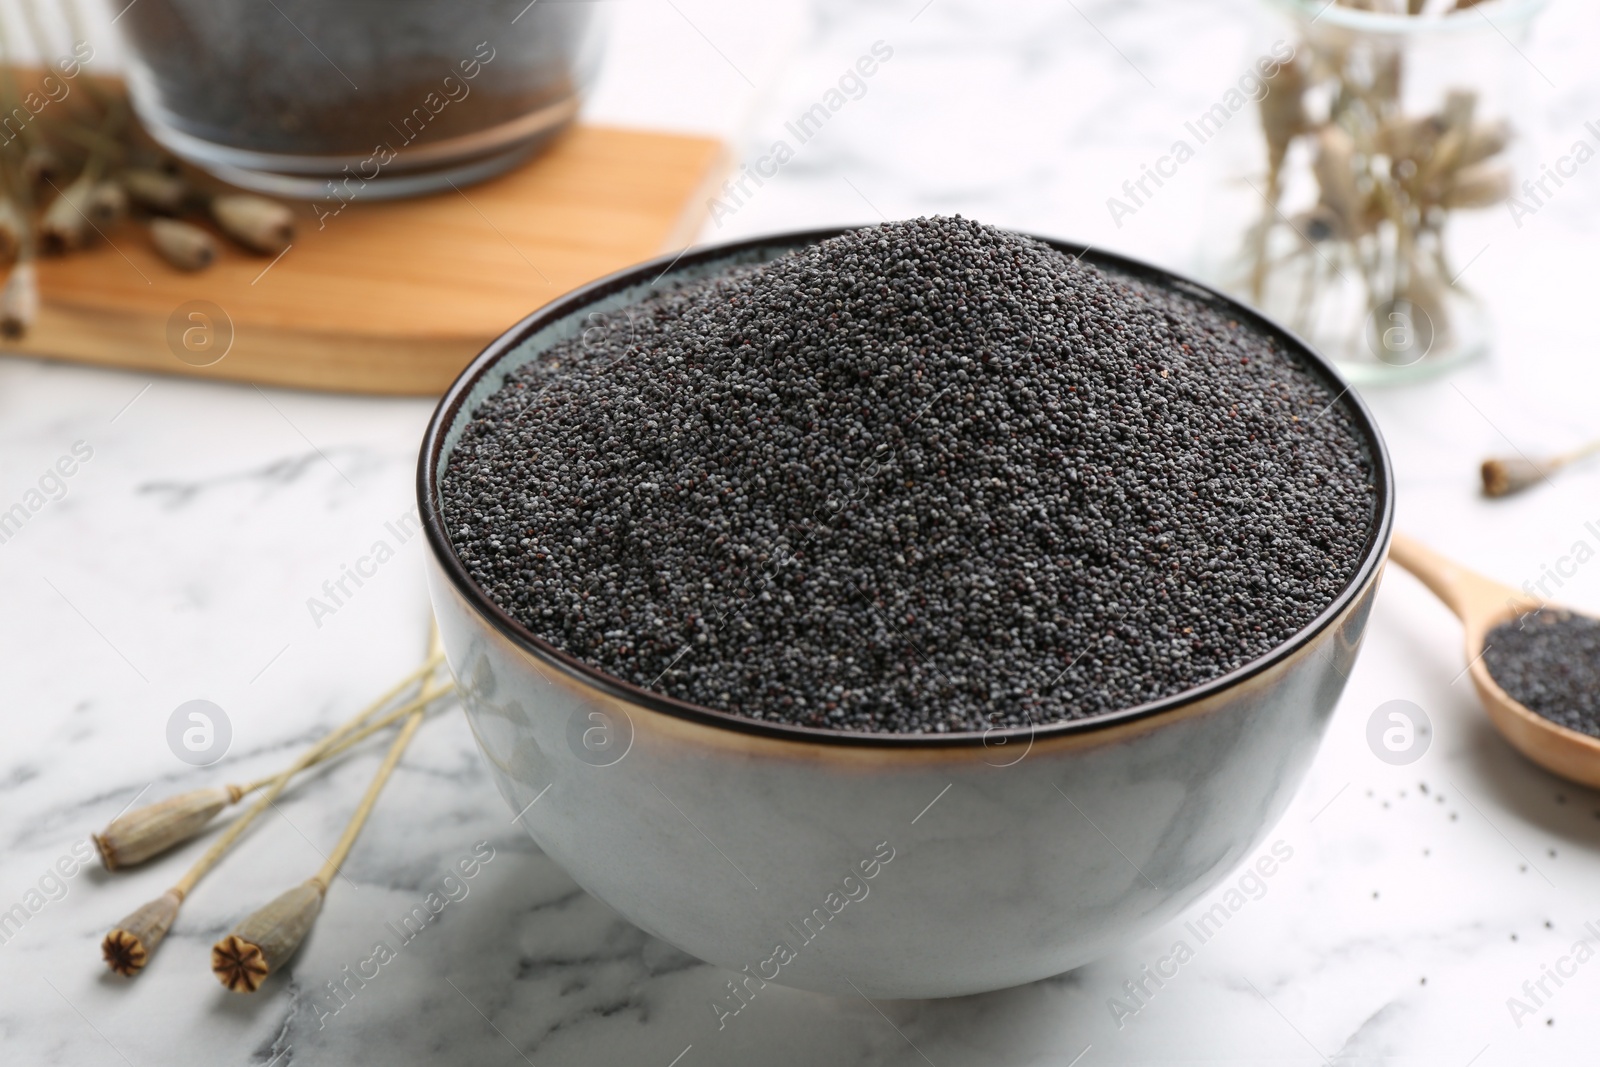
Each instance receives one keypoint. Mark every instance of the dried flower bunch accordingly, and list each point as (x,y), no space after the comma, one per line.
(264,940)
(1387,179)
(74,170)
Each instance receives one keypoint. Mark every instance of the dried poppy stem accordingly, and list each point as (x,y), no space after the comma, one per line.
(13,229)
(1283,118)
(129,945)
(19,300)
(267,938)
(65,223)
(353,829)
(382,722)
(1505,475)
(11,94)
(153,829)
(131,942)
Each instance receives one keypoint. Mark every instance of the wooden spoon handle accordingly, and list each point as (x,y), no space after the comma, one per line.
(1473,598)
(1444,578)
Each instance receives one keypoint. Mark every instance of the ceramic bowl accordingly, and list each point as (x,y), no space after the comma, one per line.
(884,865)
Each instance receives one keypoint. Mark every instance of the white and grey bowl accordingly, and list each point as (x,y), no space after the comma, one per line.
(879,864)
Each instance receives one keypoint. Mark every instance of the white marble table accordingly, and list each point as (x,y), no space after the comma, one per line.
(179,562)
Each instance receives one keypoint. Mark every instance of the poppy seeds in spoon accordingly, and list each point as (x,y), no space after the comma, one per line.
(1549,662)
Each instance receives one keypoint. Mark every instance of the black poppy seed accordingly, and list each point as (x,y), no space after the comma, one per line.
(923,477)
(1549,662)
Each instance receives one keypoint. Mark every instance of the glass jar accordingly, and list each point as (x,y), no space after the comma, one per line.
(1379,134)
(346,98)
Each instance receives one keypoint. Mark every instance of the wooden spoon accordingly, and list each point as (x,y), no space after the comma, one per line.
(1481,605)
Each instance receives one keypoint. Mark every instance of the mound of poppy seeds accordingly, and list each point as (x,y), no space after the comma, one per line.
(922,477)
(1549,662)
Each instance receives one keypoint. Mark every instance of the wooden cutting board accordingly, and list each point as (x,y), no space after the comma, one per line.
(392,297)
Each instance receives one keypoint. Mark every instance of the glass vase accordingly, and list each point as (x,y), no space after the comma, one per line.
(1385,128)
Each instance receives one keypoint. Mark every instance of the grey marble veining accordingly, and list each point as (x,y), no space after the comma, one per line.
(180,561)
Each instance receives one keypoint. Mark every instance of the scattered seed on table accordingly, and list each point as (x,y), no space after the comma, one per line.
(920,477)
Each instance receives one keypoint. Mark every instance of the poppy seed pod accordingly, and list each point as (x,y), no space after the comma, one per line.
(128,947)
(259,224)
(266,939)
(149,831)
